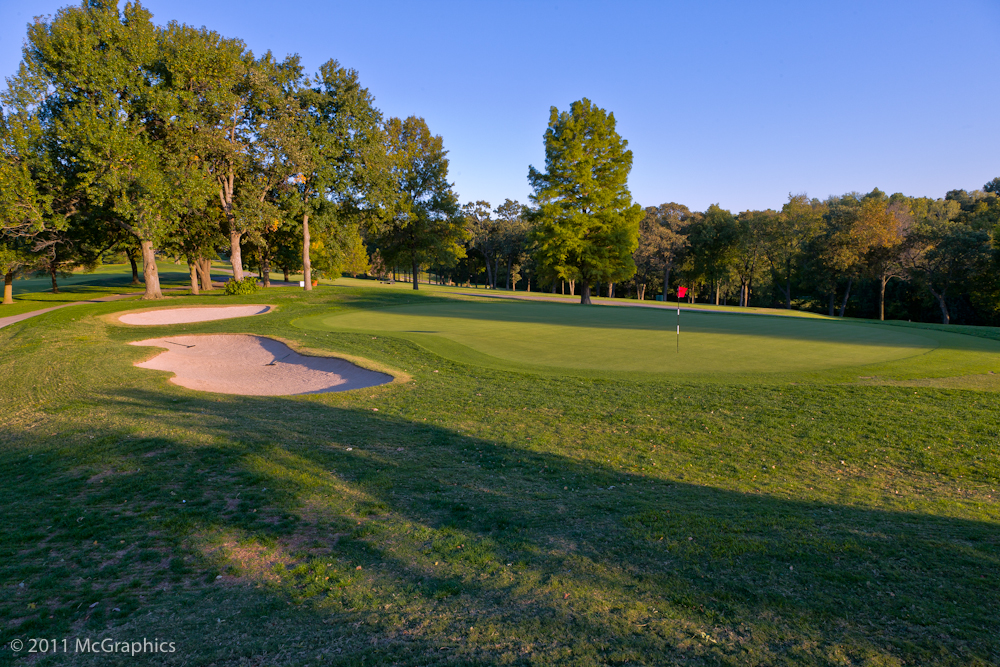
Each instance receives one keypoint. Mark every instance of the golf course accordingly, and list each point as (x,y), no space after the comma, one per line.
(533,483)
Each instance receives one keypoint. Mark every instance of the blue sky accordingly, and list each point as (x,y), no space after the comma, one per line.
(738,103)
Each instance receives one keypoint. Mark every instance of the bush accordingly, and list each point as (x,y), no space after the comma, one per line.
(246,286)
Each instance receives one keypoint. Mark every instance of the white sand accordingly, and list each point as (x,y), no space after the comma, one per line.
(253,366)
(188,315)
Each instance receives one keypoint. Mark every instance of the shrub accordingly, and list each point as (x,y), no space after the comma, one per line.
(246,286)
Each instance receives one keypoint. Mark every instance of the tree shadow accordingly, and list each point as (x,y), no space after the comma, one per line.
(471,551)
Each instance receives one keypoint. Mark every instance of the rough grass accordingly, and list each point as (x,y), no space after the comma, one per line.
(483,516)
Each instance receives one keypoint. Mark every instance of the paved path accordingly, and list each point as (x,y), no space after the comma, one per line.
(13,319)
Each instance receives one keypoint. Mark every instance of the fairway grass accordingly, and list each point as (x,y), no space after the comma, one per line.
(477,515)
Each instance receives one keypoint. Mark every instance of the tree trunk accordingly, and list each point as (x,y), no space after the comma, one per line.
(833,297)
(640,291)
(611,290)
(572,289)
(284,270)
(205,273)
(883,280)
(847,294)
(718,286)
(52,273)
(265,268)
(788,285)
(149,273)
(135,268)
(584,292)
(8,288)
(193,270)
(945,317)
(306,265)
(236,255)
(489,274)
(510,269)
(416,272)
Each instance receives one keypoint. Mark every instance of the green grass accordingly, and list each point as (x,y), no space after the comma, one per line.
(34,293)
(563,337)
(484,515)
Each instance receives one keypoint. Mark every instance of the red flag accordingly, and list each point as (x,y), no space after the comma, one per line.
(681,291)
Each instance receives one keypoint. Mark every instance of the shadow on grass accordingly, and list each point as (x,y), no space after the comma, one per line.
(419,545)
(627,318)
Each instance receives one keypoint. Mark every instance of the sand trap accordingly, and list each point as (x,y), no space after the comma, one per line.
(253,366)
(188,315)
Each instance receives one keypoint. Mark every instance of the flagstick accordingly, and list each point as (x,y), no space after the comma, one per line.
(678,321)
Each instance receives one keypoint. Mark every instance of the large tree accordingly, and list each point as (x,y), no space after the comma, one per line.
(422,225)
(586,224)
(91,69)
(342,166)
(24,207)
(243,125)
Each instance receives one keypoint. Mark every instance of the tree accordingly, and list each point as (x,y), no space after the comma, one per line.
(586,224)
(91,69)
(751,230)
(342,168)
(422,226)
(662,243)
(23,207)
(881,232)
(787,237)
(514,231)
(244,125)
(943,253)
(712,241)
(485,236)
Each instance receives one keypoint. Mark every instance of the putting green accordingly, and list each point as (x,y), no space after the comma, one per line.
(640,340)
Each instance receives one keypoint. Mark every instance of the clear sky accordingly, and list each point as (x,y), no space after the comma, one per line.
(736,103)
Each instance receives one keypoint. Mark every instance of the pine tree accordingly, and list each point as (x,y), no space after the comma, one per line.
(587,226)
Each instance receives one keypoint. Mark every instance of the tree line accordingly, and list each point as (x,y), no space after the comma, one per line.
(869,255)
(122,137)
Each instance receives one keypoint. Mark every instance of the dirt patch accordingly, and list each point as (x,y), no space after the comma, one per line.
(190,315)
(254,366)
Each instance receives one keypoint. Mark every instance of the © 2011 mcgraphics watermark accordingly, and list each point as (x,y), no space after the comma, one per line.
(91,645)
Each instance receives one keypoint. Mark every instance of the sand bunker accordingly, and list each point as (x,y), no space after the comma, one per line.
(253,366)
(188,315)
